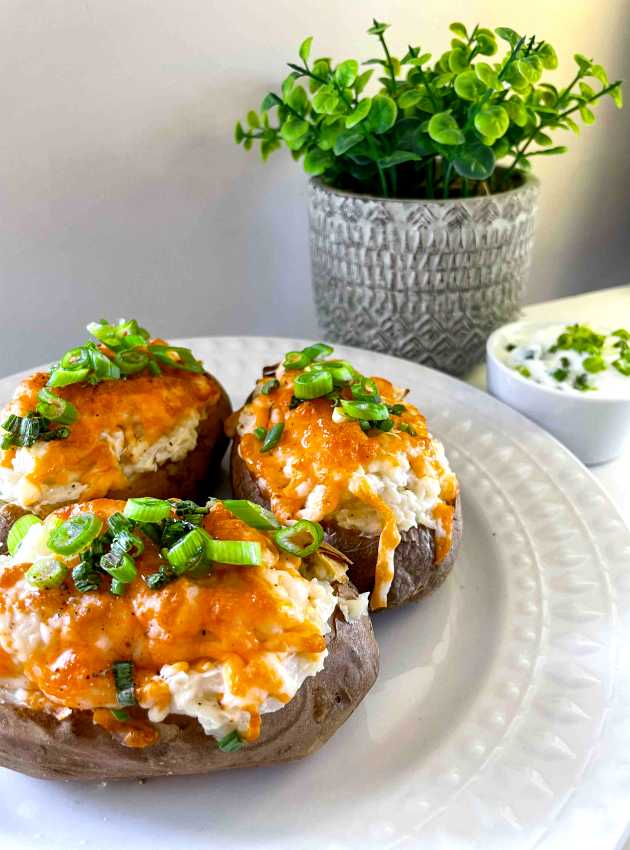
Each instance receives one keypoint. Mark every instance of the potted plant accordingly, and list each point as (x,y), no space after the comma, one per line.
(420,241)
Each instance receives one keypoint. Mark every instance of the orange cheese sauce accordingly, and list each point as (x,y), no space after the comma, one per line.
(314,450)
(232,616)
(140,407)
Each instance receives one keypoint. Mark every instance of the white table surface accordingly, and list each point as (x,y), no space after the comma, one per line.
(609,308)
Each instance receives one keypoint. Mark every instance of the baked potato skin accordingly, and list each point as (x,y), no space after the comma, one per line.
(37,744)
(416,574)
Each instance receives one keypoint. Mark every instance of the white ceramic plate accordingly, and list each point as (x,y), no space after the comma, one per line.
(500,718)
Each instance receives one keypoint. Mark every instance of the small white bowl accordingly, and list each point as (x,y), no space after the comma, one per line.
(594,427)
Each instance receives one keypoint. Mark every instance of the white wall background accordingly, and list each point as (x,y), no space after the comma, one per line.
(122,193)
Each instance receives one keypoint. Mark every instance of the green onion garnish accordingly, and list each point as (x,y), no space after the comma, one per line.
(365,389)
(76,358)
(131,361)
(406,427)
(176,358)
(252,514)
(121,567)
(594,363)
(396,409)
(260,433)
(270,386)
(384,424)
(163,576)
(190,551)
(291,538)
(272,437)
(86,577)
(147,509)
(103,369)
(64,377)
(318,351)
(120,714)
(46,573)
(18,530)
(56,409)
(119,522)
(123,679)
(313,384)
(245,553)
(370,410)
(230,743)
(75,534)
(296,360)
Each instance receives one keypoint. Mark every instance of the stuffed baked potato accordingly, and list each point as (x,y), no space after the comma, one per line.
(316,440)
(150,637)
(127,416)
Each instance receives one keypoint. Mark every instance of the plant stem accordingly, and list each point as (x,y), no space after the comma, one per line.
(390,64)
(447,179)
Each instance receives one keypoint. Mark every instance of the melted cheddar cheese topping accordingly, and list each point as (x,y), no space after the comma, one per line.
(320,467)
(125,427)
(239,620)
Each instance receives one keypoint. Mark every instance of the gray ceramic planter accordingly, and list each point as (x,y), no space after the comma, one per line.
(425,280)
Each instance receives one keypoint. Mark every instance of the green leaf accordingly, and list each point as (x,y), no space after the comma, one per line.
(328,133)
(317,161)
(533,68)
(516,77)
(321,68)
(587,115)
(252,119)
(269,101)
(359,113)
(305,49)
(239,133)
(377,28)
(508,35)
(486,42)
(517,111)
(501,148)
(288,83)
(548,56)
(445,79)
(297,99)
(443,128)
(487,75)
(600,74)
(583,63)
(382,114)
(409,136)
(492,122)
(267,147)
(362,80)
(550,151)
(586,90)
(247,144)
(571,124)
(347,139)
(617,95)
(325,101)
(397,158)
(459,30)
(468,85)
(543,139)
(346,72)
(458,60)
(475,162)
(410,98)
(293,129)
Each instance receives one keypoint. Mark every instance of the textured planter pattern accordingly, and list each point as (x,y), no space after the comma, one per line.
(425,280)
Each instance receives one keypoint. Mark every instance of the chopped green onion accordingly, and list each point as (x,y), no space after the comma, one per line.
(289,538)
(120,566)
(18,530)
(252,514)
(246,553)
(295,402)
(524,371)
(365,410)
(127,543)
(260,433)
(594,363)
(46,573)
(622,366)
(273,437)
(317,351)
(396,409)
(75,534)
(406,427)
(154,369)
(131,361)
(385,424)
(123,679)
(560,374)
(231,742)
(269,386)
(76,358)
(187,508)
(119,522)
(56,409)
(190,551)
(581,382)
(313,384)
(85,577)
(163,576)
(296,360)
(104,369)
(147,509)
(64,377)
(120,714)
(118,587)
(365,389)
(176,358)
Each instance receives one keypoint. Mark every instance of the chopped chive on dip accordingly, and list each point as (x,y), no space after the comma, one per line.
(571,358)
